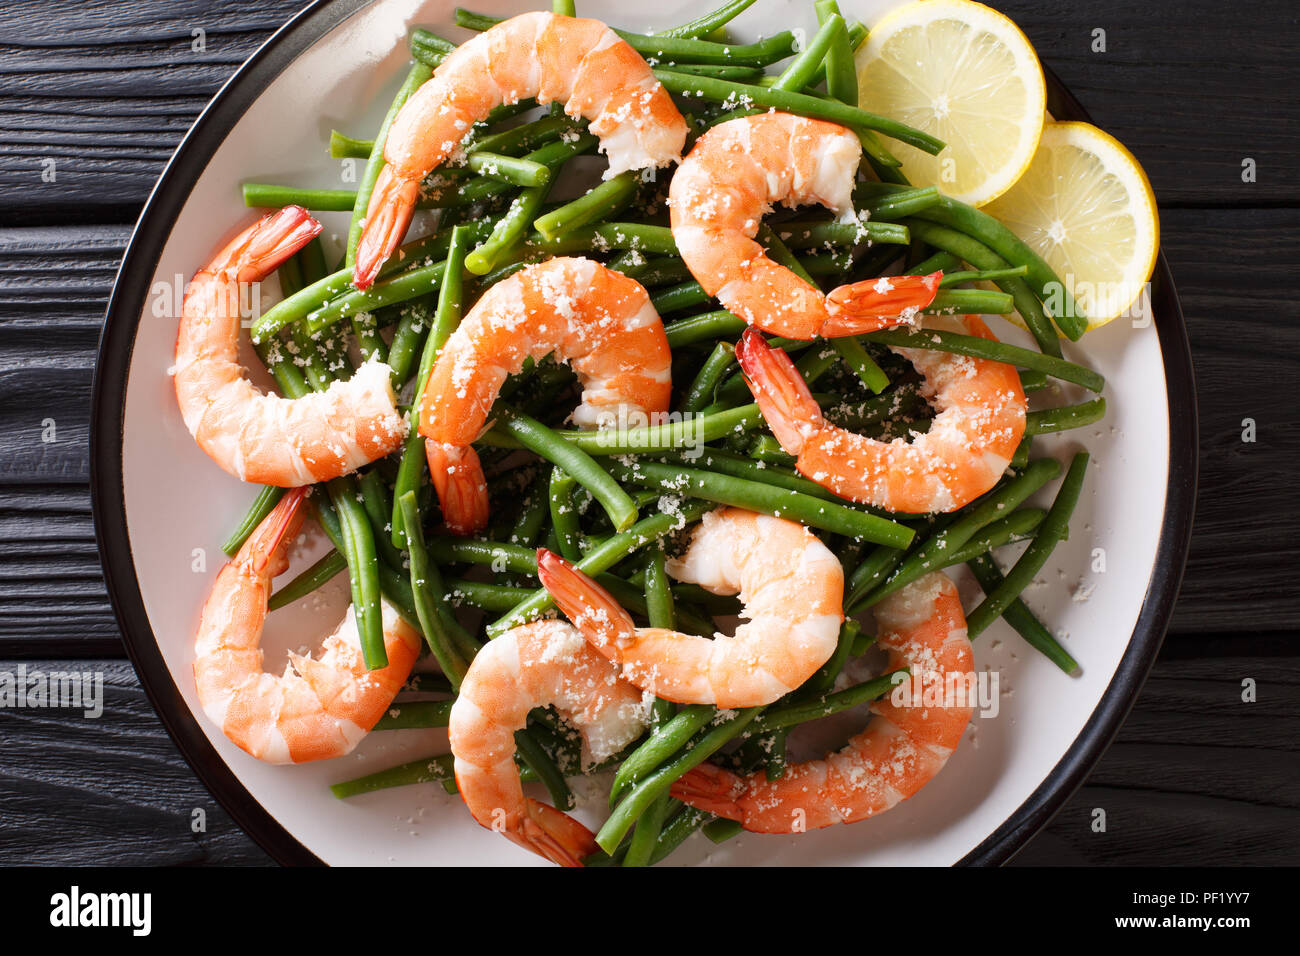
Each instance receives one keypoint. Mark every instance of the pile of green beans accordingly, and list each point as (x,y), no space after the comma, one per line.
(618,501)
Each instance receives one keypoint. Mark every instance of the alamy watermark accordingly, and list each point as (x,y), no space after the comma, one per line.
(931,688)
(74,690)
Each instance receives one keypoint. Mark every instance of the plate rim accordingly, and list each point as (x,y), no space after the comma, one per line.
(108,391)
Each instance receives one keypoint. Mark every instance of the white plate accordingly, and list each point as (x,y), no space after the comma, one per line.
(163,508)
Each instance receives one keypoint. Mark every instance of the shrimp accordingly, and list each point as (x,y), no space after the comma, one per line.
(980,422)
(792,588)
(536,665)
(579,62)
(318,708)
(906,743)
(266,439)
(600,322)
(719,196)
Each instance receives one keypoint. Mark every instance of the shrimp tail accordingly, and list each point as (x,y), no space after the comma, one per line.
(389,214)
(591,608)
(782,395)
(556,835)
(462,490)
(878,304)
(712,789)
(260,250)
(266,546)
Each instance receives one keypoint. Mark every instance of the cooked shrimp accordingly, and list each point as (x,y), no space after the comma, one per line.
(791,586)
(718,198)
(546,663)
(980,422)
(261,438)
(906,743)
(578,62)
(318,708)
(600,322)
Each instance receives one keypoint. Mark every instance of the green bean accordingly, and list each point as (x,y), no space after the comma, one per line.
(841,76)
(765,499)
(1061,419)
(703,328)
(542,441)
(358,546)
(971,302)
(1054,529)
(1016,526)
(709,22)
(658,593)
(945,341)
(508,233)
(678,297)
(345,147)
(742,466)
(728,92)
(425,770)
(658,783)
(429,48)
(669,48)
(402,288)
(529,136)
(706,427)
(539,761)
(877,567)
(863,365)
(739,74)
(410,469)
(308,581)
(603,556)
(1032,380)
(824,705)
(680,826)
(267,498)
(899,205)
(552,156)
(1018,615)
(564,514)
(654,240)
(824,680)
(798,75)
(985,275)
(933,553)
(415,78)
(496,598)
(658,272)
(509,169)
(816,235)
(270,196)
(428,594)
(317,295)
(599,203)
(994,235)
(700,392)
(416,715)
(646,834)
(535,512)
(982,257)
(564,8)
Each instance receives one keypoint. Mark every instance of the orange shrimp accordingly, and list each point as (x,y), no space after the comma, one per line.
(718,198)
(597,320)
(981,420)
(536,665)
(318,708)
(267,439)
(579,62)
(792,588)
(906,743)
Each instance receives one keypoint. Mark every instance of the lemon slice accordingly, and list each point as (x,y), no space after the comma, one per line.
(1084,205)
(966,74)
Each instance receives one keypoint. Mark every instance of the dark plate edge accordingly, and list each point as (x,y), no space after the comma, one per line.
(108,391)
(108,506)
(1166,573)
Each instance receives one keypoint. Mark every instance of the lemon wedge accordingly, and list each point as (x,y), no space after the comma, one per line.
(1085,205)
(966,74)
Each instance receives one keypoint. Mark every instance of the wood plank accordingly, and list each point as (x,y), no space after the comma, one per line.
(114,789)
(108,93)
(1196,775)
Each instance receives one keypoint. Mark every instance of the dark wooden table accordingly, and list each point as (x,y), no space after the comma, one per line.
(99,93)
